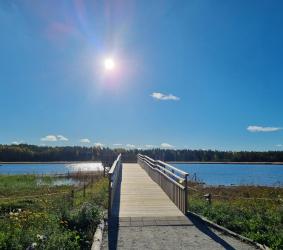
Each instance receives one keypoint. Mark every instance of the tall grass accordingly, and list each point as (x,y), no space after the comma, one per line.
(64,218)
(255,212)
(21,185)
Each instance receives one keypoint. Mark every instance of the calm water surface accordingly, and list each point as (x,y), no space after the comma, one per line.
(49,168)
(235,174)
(211,174)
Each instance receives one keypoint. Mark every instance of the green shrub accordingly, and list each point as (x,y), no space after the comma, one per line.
(256,219)
(49,222)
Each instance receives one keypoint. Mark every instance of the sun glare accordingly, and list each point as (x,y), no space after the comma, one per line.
(109,64)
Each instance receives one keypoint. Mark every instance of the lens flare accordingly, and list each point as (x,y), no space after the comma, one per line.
(109,64)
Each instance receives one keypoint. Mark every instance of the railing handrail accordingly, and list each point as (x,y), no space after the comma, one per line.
(170,173)
(175,186)
(168,177)
(112,169)
(176,169)
(156,166)
(114,176)
(183,173)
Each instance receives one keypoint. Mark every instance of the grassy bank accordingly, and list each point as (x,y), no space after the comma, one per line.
(254,212)
(46,216)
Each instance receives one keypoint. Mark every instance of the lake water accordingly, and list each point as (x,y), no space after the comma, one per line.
(211,174)
(235,174)
(49,168)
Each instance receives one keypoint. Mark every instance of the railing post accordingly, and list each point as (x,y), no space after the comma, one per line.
(165,175)
(186,193)
(109,195)
(114,176)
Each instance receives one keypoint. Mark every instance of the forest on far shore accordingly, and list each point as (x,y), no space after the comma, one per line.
(33,153)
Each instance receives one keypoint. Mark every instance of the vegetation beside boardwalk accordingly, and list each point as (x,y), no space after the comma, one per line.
(44,216)
(254,212)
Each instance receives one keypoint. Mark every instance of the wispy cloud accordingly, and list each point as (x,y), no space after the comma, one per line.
(130,146)
(53,138)
(254,129)
(62,138)
(17,142)
(117,144)
(150,146)
(98,145)
(166,145)
(84,140)
(279,145)
(164,97)
(49,138)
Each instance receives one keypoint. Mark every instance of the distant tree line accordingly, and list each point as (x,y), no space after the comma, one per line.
(33,153)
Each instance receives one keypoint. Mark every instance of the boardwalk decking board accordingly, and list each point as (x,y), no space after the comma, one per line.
(144,217)
(140,196)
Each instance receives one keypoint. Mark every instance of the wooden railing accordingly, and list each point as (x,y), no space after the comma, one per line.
(172,180)
(114,176)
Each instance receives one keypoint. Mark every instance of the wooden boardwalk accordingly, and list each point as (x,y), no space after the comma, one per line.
(144,217)
(140,196)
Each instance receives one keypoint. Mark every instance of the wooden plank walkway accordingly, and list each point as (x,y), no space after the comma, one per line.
(143,217)
(140,196)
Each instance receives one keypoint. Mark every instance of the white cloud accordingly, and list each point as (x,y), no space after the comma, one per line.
(16,142)
(254,129)
(62,138)
(117,144)
(166,145)
(52,138)
(85,140)
(150,146)
(49,138)
(130,146)
(279,145)
(98,145)
(164,97)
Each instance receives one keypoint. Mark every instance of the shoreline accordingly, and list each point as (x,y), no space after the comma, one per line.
(46,162)
(226,162)
(170,162)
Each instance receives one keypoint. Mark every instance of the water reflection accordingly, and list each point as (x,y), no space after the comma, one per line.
(57,181)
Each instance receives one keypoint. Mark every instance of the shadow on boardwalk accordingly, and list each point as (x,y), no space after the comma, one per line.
(160,226)
(113,223)
(206,230)
(140,237)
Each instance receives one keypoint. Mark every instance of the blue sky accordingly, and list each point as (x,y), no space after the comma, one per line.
(187,74)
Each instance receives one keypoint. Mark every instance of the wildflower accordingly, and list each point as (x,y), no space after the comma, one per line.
(32,246)
(40,236)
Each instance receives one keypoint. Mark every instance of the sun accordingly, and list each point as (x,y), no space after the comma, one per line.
(109,64)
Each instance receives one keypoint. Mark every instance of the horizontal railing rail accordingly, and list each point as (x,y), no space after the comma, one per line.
(173,181)
(114,176)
